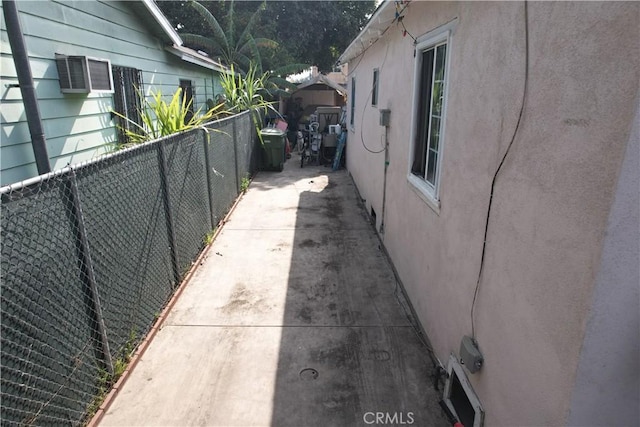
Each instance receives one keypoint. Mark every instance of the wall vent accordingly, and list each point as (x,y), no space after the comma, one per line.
(459,397)
(83,74)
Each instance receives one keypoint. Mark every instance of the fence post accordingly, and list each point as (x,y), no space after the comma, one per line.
(235,152)
(164,179)
(86,263)
(207,162)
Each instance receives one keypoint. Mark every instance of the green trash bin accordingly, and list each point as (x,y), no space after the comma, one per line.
(273,148)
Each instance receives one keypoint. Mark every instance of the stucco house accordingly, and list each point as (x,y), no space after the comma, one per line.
(118,47)
(496,146)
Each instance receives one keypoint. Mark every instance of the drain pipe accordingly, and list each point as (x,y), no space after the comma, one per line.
(27,89)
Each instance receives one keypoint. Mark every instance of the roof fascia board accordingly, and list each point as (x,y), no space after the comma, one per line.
(375,20)
(194,57)
(163,22)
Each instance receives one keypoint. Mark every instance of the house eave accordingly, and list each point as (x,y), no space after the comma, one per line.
(163,22)
(383,16)
(192,56)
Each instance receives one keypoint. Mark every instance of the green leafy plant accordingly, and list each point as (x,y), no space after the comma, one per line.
(208,238)
(244,184)
(161,118)
(232,49)
(247,92)
(106,380)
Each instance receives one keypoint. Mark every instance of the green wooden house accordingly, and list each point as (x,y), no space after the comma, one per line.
(87,59)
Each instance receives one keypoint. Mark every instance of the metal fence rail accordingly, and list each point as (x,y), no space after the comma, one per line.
(92,253)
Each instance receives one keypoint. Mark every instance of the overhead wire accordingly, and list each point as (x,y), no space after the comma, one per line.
(366,103)
(398,19)
(495,175)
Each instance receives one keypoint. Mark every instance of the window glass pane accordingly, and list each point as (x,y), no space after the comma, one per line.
(440,56)
(436,114)
(430,109)
(424,112)
(435,133)
(438,83)
(353,100)
(432,167)
(374,93)
(438,87)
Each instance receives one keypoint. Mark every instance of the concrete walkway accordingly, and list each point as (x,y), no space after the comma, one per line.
(291,320)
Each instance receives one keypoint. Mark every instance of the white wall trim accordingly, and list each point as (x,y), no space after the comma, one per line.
(422,189)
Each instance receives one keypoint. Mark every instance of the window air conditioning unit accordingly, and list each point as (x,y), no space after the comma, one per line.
(83,74)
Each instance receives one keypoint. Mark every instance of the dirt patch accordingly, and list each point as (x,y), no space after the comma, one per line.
(334,208)
(305,314)
(332,266)
(348,317)
(342,355)
(308,243)
(242,300)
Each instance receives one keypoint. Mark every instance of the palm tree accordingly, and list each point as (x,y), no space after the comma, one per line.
(243,51)
(223,44)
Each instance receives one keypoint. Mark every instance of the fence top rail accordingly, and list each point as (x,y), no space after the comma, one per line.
(226,119)
(20,185)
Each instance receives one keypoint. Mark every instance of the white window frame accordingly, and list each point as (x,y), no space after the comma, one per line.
(429,193)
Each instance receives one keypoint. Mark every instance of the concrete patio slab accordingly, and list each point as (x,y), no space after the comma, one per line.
(292,319)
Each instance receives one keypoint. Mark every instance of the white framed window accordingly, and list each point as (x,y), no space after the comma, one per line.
(429,111)
(353,102)
(374,89)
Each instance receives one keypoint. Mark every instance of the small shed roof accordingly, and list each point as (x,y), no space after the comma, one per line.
(322,79)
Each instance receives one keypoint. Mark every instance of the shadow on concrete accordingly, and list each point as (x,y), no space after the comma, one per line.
(348,353)
(293,318)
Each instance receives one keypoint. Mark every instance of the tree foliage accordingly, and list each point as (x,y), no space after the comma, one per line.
(308,32)
(316,32)
(233,45)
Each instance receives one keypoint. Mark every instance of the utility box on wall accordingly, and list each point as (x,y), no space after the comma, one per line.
(470,355)
(385,117)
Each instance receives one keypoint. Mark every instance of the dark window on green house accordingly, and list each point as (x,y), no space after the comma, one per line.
(127,96)
(187,96)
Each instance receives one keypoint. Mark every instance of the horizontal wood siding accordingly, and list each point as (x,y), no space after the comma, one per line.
(79,127)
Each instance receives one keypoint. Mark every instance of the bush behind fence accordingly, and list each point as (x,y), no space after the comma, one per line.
(90,256)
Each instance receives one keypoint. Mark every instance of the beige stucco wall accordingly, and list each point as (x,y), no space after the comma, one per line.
(552,197)
(606,391)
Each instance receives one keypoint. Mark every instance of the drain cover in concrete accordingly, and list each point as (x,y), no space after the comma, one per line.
(308,374)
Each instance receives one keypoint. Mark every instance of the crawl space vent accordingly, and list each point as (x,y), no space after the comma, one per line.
(460,398)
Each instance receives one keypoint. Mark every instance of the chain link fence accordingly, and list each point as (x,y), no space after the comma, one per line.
(92,253)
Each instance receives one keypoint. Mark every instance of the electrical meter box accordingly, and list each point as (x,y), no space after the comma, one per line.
(470,355)
(385,117)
